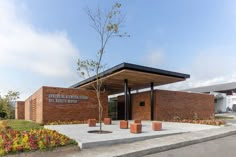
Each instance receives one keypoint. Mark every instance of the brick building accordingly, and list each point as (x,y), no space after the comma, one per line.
(79,102)
(49,104)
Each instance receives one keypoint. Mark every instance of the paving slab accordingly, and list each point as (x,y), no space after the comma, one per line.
(79,132)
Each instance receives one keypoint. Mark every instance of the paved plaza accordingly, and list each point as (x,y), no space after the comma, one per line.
(79,132)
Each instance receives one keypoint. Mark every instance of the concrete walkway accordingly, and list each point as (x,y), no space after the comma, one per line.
(79,132)
(221,147)
(227,115)
(155,145)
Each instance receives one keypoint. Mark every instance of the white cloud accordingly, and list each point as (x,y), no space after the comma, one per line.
(154,58)
(24,47)
(46,58)
(209,67)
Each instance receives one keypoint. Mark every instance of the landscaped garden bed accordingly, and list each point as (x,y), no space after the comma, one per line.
(216,122)
(66,122)
(207,122)
(15,138)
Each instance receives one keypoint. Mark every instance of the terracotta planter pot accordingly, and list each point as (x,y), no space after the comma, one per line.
(136,128)
(156,126)
(107,121)
(124,124)
(137,121)
(92,122)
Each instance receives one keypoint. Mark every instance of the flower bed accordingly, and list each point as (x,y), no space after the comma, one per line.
(207,122)
(13,141)
(66,122)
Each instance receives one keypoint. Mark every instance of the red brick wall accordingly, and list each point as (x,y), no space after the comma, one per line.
(141,112)
(81,111)
(39,109)
(170,104)
(20,110)
(33,106)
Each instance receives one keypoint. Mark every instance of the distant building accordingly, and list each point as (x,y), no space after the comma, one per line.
(225,95)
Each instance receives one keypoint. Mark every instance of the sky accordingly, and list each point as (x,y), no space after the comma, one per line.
(41,41)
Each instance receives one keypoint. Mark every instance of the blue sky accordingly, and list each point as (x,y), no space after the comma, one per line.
(41,40)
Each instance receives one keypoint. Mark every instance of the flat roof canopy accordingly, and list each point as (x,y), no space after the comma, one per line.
(138,77)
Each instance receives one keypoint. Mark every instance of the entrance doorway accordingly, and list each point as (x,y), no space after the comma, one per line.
(121,110)
(112,108)
(116,110)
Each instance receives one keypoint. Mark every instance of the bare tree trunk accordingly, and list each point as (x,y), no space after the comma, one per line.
(100,111)
(107,26)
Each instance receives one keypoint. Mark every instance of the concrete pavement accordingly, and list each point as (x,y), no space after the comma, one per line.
(151,146)
(227,115)
(80,133)
(221,147)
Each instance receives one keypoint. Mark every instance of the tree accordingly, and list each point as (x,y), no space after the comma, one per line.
(7,109)
(107,26)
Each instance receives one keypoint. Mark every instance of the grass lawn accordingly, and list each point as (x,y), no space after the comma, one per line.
(22,125)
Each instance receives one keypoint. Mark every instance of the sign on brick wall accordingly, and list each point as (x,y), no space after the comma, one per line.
(66,99)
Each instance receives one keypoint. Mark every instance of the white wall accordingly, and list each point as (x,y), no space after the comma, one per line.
(230,101)
(220,105)
(220,102)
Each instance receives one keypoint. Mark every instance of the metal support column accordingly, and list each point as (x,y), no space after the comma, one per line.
(152,101)
(126,98)
(130,104)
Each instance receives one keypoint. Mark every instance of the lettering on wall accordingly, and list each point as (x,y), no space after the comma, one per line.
(66,99)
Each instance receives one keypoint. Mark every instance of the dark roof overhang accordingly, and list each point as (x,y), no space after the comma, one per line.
(136,74)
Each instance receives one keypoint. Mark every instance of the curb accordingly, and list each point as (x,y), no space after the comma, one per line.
(121,141)
(175,145)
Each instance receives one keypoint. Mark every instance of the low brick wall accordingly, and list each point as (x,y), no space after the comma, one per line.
(174,104)
(169,105)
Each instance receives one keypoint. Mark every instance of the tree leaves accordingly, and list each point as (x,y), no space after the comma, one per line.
(7,104)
